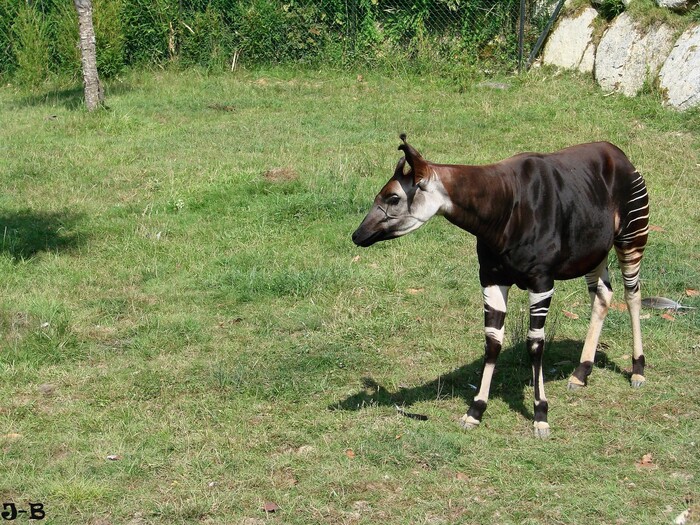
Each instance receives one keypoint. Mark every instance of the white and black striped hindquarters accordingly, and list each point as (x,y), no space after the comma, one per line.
(629,245)
(539,308)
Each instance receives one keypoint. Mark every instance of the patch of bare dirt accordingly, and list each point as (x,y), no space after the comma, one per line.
(285,174)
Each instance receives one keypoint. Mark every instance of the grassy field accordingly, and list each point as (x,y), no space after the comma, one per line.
(188,333)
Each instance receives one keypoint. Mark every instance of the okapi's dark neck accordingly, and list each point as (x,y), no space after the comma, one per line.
(481,200)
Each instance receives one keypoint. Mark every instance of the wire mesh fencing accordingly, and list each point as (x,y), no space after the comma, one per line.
(38,38)
(473,30)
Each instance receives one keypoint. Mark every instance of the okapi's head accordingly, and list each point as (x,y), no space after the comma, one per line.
(412,196)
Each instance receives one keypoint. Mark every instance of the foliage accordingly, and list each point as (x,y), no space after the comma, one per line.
(65,52)
(210,33)
(110,37)
(149,30)
(609,9)
(31,45)
(204,41)
(9,11)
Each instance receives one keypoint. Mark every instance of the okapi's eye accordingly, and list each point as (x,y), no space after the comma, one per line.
(393,199)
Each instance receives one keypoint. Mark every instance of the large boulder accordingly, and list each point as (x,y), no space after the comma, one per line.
(680,6)
(628,55)
(571,45)
(680,75)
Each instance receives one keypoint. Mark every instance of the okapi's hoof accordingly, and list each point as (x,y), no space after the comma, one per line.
(637,380)
(468,422)
(542,429)
(575,384)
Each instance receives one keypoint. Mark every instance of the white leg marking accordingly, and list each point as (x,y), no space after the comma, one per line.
(536,297)
(495,333)
(483,394)
(535,333)
(496,297)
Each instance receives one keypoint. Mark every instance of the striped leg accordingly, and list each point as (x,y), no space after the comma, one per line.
(629,245)
(495,305)
(600,290)
(539,307)
(630,261)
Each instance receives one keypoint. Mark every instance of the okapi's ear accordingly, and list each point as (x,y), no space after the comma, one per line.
(400,170)
(418,164)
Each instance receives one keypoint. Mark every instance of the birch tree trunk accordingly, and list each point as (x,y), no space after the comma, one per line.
(94,96)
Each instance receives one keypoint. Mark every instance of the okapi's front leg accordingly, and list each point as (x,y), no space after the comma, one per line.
(495,305)
(539,307)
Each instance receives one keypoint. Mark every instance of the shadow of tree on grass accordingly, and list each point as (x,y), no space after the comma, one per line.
(25,233)
(71,98)
(513,374)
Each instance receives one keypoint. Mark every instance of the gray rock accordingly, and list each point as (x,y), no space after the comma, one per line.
(680,75)
(627,56)
(598,3)
(680,6)
(570,46)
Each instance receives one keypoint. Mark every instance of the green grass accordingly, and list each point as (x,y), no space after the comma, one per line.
(179,289)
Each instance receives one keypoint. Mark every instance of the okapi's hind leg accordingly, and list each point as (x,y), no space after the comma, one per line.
(629,245)
(599,288)
(630,260)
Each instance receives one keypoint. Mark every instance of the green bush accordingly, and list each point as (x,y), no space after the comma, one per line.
(205,40)
(65,53)
(609,9)
(109,36)
(8,13)
(30,34)
(149,30)
(259,29)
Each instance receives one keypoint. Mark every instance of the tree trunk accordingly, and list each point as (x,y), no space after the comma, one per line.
(94,96)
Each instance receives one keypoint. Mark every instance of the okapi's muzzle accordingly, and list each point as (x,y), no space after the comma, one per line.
(362,238)
(369,232)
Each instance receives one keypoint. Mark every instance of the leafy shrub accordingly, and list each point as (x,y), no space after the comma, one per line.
(259,29)
(204,39)
(30,35)
(65,53)
(109,36)
(609,9)
(8,13)
(149,30)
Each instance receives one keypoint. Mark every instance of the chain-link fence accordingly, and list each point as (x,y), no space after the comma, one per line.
(494,30)
(374,31)
(37,37)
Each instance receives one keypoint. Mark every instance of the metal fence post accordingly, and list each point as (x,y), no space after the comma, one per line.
(545,32)
(521,35)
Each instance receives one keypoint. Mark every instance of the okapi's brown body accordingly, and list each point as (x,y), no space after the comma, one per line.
(537,218)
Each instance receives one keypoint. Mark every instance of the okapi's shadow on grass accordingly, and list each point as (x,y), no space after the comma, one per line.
(510,382)
(25,233)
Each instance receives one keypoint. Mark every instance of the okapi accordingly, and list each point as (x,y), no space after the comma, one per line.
(537,218)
